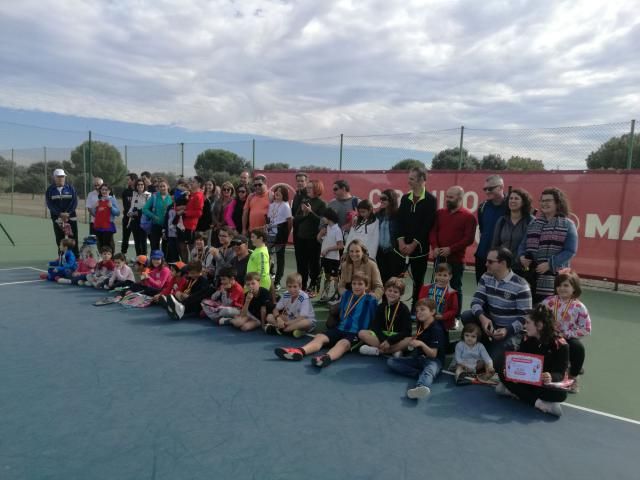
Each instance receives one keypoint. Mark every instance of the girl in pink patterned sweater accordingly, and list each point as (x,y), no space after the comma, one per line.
(571,319)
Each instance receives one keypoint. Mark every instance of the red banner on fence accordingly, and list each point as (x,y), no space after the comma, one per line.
(605,208)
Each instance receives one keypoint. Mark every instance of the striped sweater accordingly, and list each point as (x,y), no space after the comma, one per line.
(505,301)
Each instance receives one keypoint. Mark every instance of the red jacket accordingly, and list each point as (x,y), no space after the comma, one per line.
(193,211)
(175,286)
(456,230)
(448,309)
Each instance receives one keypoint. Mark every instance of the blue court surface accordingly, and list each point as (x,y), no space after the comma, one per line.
(112,393)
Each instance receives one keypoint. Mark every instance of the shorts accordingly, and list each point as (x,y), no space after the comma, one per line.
(334,335)
(330,267)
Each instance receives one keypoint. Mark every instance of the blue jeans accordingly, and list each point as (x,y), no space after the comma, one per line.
(426,369)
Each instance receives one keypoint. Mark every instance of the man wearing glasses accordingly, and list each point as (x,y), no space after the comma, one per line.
(499,305)
(489,212)
(92,201)
(256,206)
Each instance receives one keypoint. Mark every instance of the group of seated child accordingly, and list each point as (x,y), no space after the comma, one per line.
(364,324)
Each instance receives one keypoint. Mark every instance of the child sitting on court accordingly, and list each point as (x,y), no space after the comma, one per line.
(571,319)
(293,313)
(86,266)
(227,300)
(470,355)
(445,297)
(103,271)
(259,258)
(62,269)
(257,302)
(177,282)
(153,278)
(187,300)
(427,347)
(390,325)
(122,274)
(357,308)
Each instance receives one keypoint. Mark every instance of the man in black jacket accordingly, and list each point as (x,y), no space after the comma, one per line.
(298,199)
(416,216)
(132,178)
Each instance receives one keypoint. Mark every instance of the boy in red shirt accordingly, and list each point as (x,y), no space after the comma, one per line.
(227,301)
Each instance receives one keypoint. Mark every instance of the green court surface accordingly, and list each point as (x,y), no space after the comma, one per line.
(608,385)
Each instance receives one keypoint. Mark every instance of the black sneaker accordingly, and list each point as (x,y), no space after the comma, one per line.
(321,361)
(270,329)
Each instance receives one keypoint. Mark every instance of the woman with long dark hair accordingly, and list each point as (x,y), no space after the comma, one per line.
(242,193)
(551,242)
(511,229)
(366,228)
(541,338)
(389,262)
(307,220)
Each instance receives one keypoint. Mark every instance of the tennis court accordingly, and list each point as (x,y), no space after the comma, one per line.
(121,393)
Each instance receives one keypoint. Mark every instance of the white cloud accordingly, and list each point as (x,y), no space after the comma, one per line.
(306,69)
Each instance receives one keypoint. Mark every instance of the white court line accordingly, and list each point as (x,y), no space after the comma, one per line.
(24,281)
(584,409)
(22,268)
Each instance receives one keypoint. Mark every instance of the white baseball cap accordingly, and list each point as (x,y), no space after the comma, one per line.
(58,172)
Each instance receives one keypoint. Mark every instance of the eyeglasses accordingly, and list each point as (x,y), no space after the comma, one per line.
(490,189)
(226,189)
(383,199)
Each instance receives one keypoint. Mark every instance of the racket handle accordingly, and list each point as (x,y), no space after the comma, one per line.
(406,259)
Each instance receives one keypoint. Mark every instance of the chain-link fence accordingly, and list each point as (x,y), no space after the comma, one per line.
(25,173)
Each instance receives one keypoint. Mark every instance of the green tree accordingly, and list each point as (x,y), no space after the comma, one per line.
(106,162)
(212,161)
(408,164)
(277,166)
(310,168)
(613,154)
(493,161)
(6,167)
(449,159)
(34,180)
(525,164)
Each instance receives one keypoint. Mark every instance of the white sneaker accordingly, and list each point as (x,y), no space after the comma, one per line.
(179,310)
(224,321)
(81,283)
(397,354)
(368,350)
(64,281)
(552,408)
(418,392)
(501,389)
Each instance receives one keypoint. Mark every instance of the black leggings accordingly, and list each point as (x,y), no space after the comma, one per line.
(576,356)
(530,393)
(308,259)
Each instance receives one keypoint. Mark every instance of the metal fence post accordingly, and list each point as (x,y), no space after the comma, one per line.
(182,159)
(84,183)
(90,162)
(126,160)
(461,142)
(341,145)
(630,147)
(13,179)
(46,180)
(253,154)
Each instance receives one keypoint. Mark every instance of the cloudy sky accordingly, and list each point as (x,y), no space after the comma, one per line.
(301,69)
